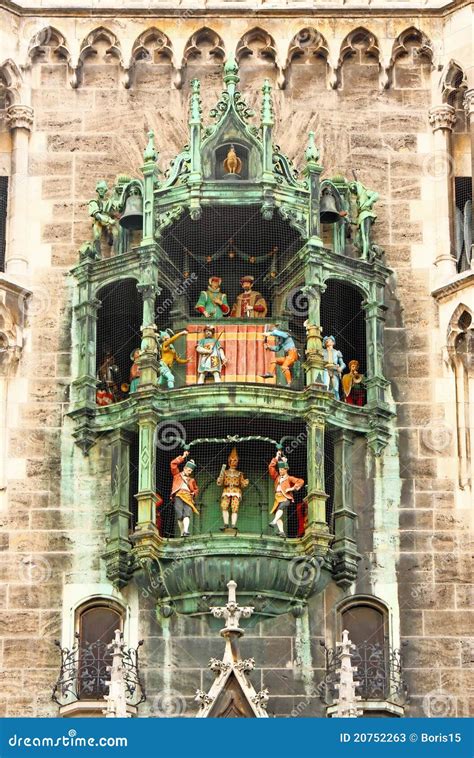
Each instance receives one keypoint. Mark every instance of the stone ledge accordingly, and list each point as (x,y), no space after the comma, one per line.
(454,285)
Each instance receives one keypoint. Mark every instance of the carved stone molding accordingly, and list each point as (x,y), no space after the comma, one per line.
(442,117)
(469,103)
(20,117)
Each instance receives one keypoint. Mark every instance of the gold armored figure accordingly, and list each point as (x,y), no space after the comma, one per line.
(233,482)
(232,164)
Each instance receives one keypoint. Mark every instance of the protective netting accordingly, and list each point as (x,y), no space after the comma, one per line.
(3,219)
(463,221)
(118,334)
(254,455)
(226,242)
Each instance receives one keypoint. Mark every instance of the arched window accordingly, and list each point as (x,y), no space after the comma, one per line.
(367,624)
(95,626)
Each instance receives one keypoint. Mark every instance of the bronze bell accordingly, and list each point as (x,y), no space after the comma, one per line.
(328,212)
(132,217)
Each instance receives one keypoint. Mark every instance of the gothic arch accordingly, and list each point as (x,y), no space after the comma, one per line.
(460,344)
(308,46)
(101,34)
(453,79)
(48,39)
(411,45)
(10,84)
(203,40)
(152,45)
(362,47)
(257,40)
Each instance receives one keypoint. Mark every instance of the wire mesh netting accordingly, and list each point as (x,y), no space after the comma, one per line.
(463,222)
(3,219)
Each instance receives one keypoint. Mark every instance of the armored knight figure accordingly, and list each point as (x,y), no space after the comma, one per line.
(285,485)
(108,375)
(233,482)
(184,491)
(211,356)
(249,304)
(103,221)
(333,365)
(212,302)
(168,356)
(365,215)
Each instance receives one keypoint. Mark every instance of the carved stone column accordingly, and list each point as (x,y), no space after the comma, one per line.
(20,122)
(313,289)
(344,546)
(442,119)
(374,325)
(315,462)
(118,517)
(146,495)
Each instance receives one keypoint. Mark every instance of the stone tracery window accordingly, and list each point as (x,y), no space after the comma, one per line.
(96,623)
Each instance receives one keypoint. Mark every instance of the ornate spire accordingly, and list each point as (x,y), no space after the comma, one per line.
(311,153)
(149,154)
(347,700)
(267,104)
(195,104)
(231,72)
(117,697)
(231,672)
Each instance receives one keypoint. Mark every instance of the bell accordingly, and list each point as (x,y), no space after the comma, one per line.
(328,212)
(132,217)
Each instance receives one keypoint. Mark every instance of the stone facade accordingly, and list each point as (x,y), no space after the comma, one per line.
(88,97)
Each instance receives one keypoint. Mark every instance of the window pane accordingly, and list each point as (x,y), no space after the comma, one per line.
(364,624)
(97,628)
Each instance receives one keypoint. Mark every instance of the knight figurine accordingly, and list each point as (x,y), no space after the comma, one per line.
(365,199)
(283,342)
(211,356)
(233,482)
(104,222)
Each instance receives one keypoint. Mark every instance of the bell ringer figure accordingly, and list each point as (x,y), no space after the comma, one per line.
(184,490)
(285,485)
(233,481)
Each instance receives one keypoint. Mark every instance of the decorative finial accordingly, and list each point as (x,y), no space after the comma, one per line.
(232,612)
(231,71)
(150,155)
(267,104)
(311,152)
(195,106)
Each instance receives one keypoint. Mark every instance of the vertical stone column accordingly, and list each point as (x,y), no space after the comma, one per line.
(146,495)
(344,546)
(118,543)
(442,119)
(86,321)
(313,289)
(20,121)
(374,327)
(315,461)
(149,178)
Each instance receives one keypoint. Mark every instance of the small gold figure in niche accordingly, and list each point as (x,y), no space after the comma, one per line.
(232,164)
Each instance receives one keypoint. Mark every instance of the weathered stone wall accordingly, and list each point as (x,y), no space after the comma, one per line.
(53,521)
